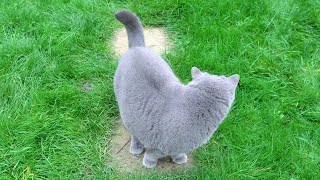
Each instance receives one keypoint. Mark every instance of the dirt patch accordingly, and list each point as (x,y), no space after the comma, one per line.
(86,86)
(155,38)
(124,161)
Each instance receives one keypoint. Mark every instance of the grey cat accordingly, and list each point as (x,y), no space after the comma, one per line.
(164,116)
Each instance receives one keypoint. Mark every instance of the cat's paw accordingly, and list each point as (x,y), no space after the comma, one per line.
(149,163)
(136,150)
(179,158)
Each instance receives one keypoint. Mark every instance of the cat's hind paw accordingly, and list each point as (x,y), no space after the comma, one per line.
(149,163)
(136,150)
(136,147)
(179,158)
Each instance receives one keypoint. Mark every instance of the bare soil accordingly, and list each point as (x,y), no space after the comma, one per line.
(155,38)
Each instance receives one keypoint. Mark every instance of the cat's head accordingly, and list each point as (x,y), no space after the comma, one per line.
(220,86)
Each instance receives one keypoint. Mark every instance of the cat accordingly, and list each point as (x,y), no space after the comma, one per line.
(164,116)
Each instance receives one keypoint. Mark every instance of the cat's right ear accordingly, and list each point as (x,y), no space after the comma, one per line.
(235,79)
(195,72)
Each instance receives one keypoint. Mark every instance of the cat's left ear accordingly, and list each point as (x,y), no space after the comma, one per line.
(235,79)
(195,72)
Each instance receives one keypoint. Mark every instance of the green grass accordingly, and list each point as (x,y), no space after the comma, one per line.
(50,128)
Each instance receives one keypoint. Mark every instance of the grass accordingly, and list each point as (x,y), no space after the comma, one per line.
(52,128)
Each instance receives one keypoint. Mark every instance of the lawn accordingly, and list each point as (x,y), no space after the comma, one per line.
(57,106)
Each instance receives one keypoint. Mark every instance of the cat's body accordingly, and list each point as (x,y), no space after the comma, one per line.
(163,115)
(160,111)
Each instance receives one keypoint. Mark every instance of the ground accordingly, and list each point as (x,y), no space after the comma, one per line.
(57,107)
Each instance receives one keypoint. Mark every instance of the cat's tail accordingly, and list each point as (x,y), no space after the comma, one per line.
(133,27)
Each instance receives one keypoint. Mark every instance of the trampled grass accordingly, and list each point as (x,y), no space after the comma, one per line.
(52,127)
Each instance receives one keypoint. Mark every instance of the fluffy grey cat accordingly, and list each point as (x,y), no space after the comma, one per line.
(164,116)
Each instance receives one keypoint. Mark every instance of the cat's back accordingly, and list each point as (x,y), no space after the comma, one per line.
(143,89)
(141,70)
(142,73)
(142,59)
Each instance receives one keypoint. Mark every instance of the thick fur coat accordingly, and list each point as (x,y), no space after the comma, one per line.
(164,116)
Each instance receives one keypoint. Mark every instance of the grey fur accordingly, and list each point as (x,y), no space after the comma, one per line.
(163,115)
(133,27)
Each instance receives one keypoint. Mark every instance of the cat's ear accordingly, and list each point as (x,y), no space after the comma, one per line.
(235,79)
(195,72)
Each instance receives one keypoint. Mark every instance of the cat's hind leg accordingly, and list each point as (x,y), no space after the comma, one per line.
(179,158)
(151,157)
(136,147)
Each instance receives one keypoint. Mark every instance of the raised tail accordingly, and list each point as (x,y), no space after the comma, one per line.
(133,27)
